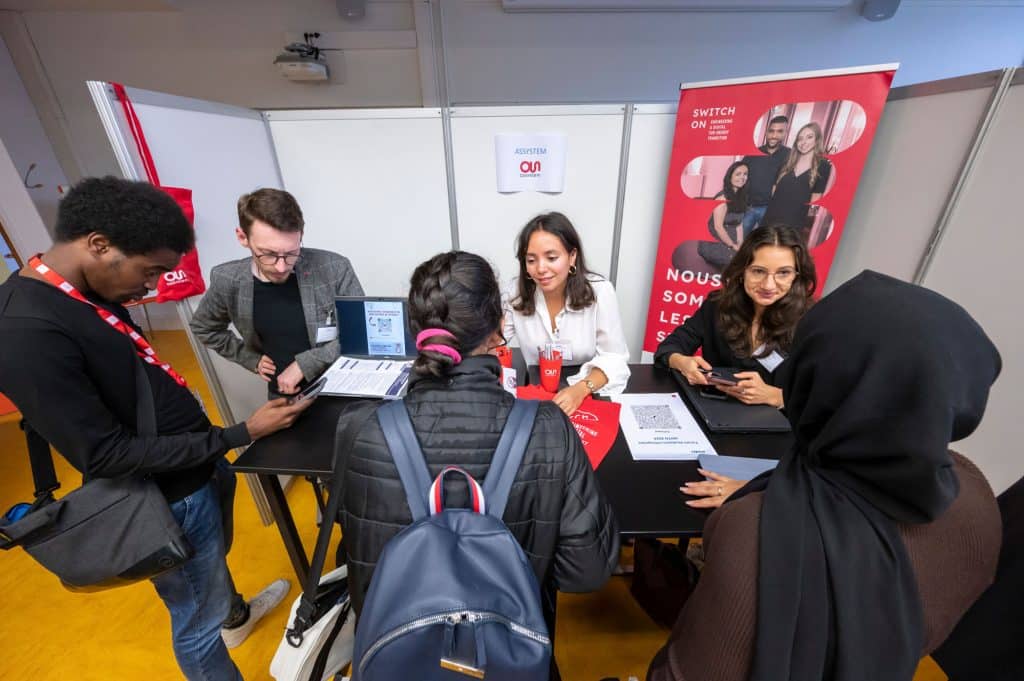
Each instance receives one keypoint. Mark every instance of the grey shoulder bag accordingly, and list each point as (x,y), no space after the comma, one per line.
(107,533)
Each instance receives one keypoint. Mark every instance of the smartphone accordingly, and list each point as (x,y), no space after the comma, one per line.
(712,393)
(311,391)
(723,376)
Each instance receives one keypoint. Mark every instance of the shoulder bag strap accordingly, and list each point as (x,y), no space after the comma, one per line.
(305,615)
(408,456)
(515,436)
(44,476)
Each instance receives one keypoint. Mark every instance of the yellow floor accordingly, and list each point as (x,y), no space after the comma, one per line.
(50,633)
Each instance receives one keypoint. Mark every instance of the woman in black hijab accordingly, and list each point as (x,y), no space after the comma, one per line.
(859,553)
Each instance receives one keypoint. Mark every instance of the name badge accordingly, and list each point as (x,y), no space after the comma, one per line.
(325,334)
(772,361)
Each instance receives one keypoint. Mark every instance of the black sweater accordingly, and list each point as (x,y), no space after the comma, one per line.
(72,376)
(701,331)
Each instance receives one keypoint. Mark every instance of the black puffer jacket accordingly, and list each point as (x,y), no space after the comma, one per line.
(556,509)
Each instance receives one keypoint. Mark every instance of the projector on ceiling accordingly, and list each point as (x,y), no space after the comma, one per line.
(301,68)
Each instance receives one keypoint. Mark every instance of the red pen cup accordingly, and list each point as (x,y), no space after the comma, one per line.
(504,354)
(550,371)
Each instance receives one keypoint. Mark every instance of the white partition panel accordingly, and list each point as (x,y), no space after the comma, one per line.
(650,149)
(915,159)
(978,264)
(489,221)
(218,152)
(372,187)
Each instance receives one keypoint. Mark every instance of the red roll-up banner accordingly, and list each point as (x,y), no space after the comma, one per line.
(785,149)
(187,279)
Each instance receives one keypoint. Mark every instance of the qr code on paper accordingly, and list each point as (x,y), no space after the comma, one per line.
(654,417)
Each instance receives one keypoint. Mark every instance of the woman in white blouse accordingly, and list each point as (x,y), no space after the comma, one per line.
(556,300)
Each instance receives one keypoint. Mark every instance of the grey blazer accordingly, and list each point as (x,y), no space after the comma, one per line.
(322,275)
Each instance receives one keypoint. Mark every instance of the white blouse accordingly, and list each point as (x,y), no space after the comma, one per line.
(592,337)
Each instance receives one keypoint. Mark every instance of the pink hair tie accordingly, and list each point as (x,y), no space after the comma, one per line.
(430,333)
(444,350)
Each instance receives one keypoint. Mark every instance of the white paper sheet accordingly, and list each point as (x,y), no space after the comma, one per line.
(381,378)
(659,427)
(530,162)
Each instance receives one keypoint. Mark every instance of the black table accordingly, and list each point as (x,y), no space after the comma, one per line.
(644,494)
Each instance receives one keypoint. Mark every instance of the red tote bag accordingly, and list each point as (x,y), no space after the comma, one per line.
(187,279)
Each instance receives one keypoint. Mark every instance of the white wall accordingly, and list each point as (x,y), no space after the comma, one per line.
(26,141)
(18,214)
(497,57)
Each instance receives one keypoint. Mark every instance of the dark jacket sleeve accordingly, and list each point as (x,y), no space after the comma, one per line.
(685,340)
(588,536)
(64,405)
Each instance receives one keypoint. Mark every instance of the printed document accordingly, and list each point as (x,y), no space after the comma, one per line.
(659,427)
(381,378)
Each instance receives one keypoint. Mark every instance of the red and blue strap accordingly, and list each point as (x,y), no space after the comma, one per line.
(479,504)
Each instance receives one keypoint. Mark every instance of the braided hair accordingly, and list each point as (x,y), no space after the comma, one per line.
(457,292)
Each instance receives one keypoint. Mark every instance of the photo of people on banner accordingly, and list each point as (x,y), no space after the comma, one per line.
(761,152)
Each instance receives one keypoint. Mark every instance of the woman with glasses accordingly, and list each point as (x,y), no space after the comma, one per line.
(749,323)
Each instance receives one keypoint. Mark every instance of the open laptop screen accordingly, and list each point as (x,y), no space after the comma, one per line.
(374,327)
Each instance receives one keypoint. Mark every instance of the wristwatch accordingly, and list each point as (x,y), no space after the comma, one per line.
(590,386)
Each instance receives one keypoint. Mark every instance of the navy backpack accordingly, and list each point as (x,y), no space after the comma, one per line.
(453,595)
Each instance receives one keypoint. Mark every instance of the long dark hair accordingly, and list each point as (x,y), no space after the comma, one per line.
(736,200)
(779,320)
(578,291)
(457,292)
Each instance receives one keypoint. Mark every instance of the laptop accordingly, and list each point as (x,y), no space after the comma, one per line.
(376,348)
(730,415)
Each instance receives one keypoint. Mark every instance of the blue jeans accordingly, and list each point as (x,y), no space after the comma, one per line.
(198,594)
(753,216)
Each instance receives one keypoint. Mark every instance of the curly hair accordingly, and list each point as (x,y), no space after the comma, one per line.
(458,292)
(579,294)
(136,217)
(778,320)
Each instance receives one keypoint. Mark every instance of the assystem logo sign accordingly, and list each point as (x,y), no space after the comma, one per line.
(529,164)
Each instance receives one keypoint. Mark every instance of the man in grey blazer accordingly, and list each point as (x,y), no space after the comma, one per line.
(280,299)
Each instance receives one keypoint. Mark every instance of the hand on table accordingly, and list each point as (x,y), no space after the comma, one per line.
(753,390)
(265,368)
(713,491)
(569,399)
(275,415)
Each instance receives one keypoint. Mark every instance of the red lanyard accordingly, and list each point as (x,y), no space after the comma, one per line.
(144,349)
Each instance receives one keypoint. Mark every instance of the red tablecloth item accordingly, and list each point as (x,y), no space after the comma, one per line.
(596,422)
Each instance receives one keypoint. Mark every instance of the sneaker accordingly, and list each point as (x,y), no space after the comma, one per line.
(260,605)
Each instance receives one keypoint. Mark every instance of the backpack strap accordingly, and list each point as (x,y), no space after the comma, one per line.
(408,456)
(509,455)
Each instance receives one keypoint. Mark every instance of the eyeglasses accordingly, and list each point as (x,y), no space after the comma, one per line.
(272,258)
(782,277)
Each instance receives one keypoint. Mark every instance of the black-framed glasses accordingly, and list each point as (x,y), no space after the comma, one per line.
(270,259)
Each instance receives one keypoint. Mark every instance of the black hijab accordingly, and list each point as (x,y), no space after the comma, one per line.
(882,376)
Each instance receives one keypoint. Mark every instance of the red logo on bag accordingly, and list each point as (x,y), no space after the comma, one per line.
(529,167)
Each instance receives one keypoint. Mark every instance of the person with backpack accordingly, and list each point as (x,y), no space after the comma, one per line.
(458,409)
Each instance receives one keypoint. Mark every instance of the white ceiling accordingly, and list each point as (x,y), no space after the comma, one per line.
(88,5)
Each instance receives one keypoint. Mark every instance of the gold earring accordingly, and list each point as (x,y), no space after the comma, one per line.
(572,270)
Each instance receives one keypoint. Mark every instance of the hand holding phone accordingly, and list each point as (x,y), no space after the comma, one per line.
(310,391)
(723,376)
(712,393)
